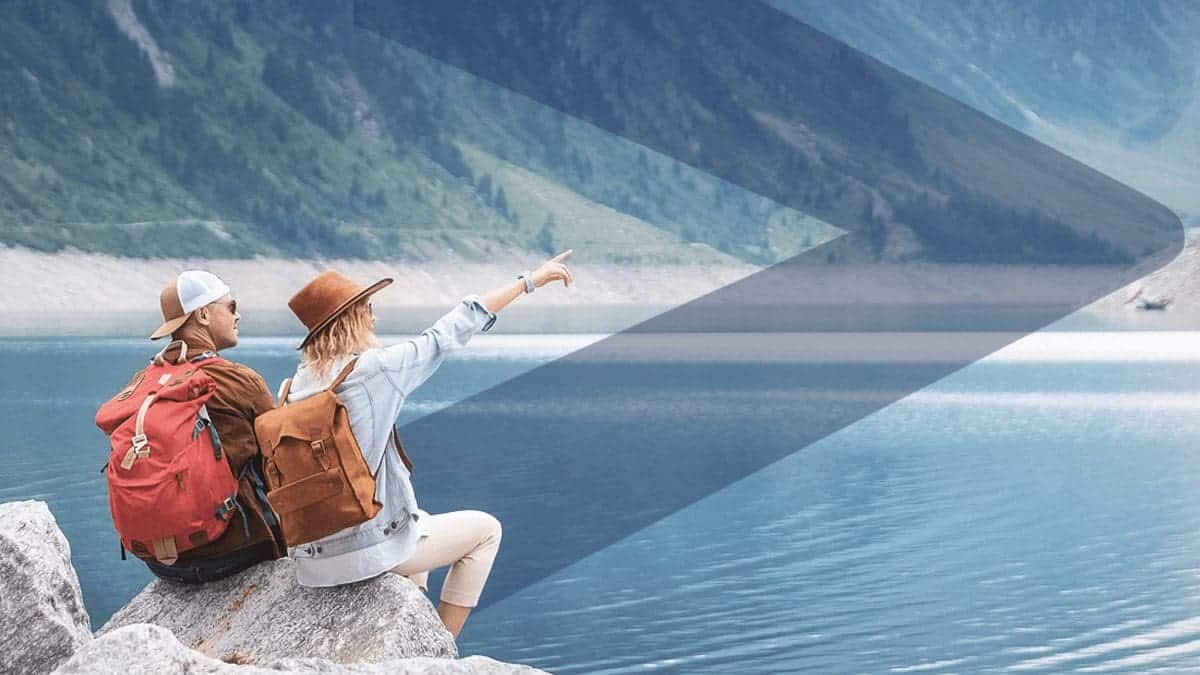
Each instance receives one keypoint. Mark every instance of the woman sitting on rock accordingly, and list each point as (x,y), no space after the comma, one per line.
(399,538)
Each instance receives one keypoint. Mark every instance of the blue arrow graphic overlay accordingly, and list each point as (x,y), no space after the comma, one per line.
(961,235)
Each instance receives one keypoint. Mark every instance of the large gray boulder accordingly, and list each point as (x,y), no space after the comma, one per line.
(42,618)
(141,648)
(262,615)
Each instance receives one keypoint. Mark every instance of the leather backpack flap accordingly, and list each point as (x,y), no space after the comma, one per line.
(266,430)
(308,420)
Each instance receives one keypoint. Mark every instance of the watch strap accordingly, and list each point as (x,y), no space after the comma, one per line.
(527,277)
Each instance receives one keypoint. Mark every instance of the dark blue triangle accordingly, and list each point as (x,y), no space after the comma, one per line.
(1002,236)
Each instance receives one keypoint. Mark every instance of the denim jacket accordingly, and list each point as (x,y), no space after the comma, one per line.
(373,393)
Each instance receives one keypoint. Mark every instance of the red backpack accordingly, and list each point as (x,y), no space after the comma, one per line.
(170,487)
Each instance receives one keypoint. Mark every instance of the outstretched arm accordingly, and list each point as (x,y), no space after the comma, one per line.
(551,270)
(408,364)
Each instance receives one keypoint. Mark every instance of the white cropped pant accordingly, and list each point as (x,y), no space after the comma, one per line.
(467,541)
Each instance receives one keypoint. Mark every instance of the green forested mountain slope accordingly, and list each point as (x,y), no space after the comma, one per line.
(234,129)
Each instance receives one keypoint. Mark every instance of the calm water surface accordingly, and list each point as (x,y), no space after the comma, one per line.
(1037,511)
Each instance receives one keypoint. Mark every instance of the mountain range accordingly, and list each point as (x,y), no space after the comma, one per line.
(240,129)
(1114,84)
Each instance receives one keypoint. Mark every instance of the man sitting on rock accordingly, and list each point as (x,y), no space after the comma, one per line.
(199,312)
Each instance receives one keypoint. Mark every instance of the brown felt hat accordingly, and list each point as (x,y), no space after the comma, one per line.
(324,299)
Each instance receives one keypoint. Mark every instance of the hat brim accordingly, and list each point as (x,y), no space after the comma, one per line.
(170,327)
(366,292)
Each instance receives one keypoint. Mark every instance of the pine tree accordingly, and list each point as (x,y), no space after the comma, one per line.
(502,203)
(545,237)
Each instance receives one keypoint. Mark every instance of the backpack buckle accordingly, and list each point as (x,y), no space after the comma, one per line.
(318,448)
(227,507)
(139,449)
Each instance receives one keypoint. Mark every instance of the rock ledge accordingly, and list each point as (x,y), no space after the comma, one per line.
(262,614)
(259,621)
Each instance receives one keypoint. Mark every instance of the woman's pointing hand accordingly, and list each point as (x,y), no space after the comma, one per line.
(554,269)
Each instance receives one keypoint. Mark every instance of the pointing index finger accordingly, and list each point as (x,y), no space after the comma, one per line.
(563,256)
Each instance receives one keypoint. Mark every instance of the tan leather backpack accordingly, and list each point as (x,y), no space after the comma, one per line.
(317,480)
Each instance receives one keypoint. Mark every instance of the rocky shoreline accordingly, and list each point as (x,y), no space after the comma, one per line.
(259,621)
(72,294)
(1177,282)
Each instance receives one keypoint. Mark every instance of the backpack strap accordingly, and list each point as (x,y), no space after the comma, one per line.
(160,358)
(285,388)
(164,550)
(337,381)
(400,449)
(140,447)
(203,420)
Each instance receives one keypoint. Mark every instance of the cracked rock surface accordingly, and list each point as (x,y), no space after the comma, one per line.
(141,648)
(42,617)
(262,614)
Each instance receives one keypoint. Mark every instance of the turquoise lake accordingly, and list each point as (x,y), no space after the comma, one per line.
(1037,511)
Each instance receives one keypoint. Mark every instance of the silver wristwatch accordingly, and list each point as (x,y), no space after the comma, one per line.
(527,277)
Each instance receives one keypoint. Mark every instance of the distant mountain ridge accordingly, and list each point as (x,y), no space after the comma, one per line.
(762,100)
(234,129)
(1114,84)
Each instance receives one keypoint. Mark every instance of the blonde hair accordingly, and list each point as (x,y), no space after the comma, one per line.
(350,333)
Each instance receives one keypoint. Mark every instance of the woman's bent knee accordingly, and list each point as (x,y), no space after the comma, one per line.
(488,527)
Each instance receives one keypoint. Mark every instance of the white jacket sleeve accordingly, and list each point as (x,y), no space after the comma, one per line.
(407,365)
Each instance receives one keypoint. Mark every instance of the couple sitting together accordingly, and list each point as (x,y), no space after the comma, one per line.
(196,498)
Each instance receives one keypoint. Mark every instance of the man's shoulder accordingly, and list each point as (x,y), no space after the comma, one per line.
(223,364)
(223,368)
(239,387)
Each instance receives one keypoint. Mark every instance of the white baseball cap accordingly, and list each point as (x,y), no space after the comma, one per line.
(190,291)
